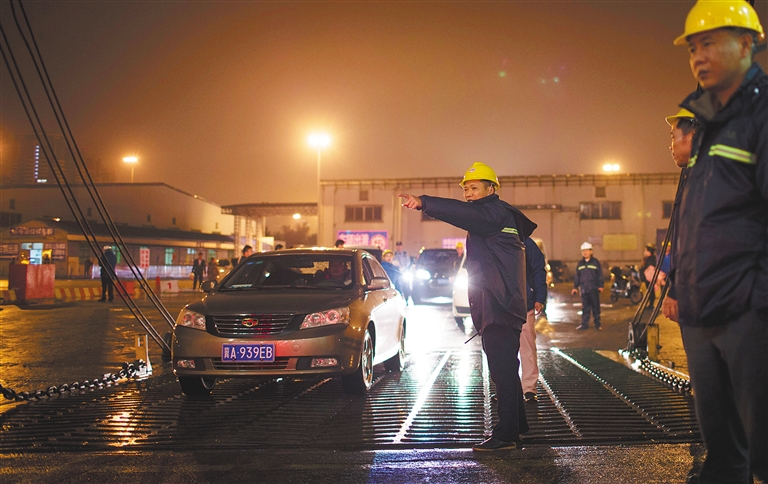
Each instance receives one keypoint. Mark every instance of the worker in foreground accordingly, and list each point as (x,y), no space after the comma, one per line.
(497,286)
(721,256)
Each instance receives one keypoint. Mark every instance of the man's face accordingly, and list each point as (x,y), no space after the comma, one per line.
(715,58)
(336,268)
(680,146)
(477,189)
(586,253)
(248,253)
(389,256)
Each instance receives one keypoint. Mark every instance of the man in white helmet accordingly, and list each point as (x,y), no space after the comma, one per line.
(589,282)
(721,245)
(497,286)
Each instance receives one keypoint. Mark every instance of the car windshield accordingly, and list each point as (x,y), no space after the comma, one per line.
(447,258)
(295,271)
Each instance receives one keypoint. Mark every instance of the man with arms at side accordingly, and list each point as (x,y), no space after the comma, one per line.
(721,256)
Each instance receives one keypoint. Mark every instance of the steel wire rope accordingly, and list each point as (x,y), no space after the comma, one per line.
(636,319)
(66,189)
(81,166)
(64,186)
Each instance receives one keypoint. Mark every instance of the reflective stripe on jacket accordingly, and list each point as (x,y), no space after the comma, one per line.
(495,255)
(721,257)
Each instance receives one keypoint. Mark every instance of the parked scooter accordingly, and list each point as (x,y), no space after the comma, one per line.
(626,283)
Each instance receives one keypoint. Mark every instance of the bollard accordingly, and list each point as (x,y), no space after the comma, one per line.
(653,342)
(142,353)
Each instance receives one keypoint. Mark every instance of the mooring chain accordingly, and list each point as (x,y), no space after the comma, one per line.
(682,385)
(129,370)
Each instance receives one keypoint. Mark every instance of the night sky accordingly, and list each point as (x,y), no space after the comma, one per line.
(217,98)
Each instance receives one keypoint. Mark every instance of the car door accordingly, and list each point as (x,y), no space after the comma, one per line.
(387,314)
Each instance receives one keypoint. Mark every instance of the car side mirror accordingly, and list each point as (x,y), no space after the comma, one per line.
(378,283)
(209,286)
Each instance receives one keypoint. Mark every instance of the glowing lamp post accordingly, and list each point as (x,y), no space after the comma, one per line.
(131,160)
(319,141)
(611,168)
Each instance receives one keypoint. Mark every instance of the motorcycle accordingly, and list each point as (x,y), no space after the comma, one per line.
(626,283)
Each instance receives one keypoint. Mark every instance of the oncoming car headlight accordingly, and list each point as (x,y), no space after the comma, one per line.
(462,279)
(326,318)
(191,319)
(423,274)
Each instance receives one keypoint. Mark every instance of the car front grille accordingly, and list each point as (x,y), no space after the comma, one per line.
(252,325)
(280,363)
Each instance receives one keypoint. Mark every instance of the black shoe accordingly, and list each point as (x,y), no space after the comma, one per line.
(582,327)
(111,299)
(494,444)
(102,300)
(599,328)
(530,397)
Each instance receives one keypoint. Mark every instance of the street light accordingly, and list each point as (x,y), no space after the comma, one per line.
(131,160)
(319,141)
(611,167)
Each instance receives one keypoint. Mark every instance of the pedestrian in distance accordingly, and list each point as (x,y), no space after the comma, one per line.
(589,282)
(497,286)
(401,257)
(339,244)
(720,261)
(108,261)
(647,270)
(212,271)
(536,282)
(392,270)
(199,268)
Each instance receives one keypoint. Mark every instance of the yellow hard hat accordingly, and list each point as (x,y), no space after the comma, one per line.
(684,113)
(387,252)
(480,171)
(459,244)
(716,14)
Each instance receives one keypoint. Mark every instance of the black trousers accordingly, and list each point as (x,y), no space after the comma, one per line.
(590,304)
(501,344)
(198,281)
(729,374)
(107,287)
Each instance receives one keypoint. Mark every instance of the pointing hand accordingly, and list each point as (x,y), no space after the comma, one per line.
(414,203)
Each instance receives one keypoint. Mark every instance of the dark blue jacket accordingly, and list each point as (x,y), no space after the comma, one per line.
(495,256)
(589,275)
(109,259)
(536,274)
(721,257)
(393,272)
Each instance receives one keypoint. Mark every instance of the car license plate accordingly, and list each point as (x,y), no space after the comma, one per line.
(253,352)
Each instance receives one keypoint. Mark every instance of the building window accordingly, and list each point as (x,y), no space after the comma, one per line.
(600,210)
(599,192)
(363,195)
(217,225)
(666,208)
(169,256)
(8,219)
(12,204)
(173,221)
(149,218)
(370,213)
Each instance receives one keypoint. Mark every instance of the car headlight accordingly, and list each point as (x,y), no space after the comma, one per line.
(191,319)
(423,274)
(326,318)
(462,279)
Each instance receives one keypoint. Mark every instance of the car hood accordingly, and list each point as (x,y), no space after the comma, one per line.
(259,302)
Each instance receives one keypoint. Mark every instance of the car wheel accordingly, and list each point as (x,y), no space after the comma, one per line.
(196,386)
(635,296)
(614,297)
(397,362)
(361,380)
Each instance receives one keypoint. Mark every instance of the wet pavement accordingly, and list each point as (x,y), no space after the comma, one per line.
(596,420)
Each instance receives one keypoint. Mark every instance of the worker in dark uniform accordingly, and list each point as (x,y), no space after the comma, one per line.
(589,281)
(497,286)
(107,262)
(721,256)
